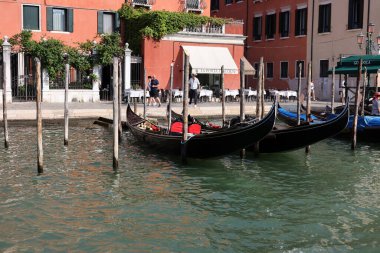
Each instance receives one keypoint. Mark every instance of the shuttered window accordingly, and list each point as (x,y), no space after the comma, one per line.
(257,28)
(108,22)
(31,17)
(59,19)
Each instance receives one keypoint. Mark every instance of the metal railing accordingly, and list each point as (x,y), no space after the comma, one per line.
(147,3)
(209,28)
(59,83)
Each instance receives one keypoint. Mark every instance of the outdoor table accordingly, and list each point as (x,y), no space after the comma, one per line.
(207,94)
(231,93)
(177,94)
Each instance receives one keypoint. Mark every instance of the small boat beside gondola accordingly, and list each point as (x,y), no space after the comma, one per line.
(203,145)
(297,137)
(368,127)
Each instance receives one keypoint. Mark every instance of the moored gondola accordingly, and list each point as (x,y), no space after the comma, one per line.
(301,136)
(211,144)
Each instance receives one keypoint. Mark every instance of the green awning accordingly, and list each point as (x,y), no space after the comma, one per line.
(349,65)
(353,70)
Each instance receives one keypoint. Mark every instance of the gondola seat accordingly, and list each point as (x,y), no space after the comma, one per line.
(176,128)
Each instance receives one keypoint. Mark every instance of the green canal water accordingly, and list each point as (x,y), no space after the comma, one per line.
(326,201)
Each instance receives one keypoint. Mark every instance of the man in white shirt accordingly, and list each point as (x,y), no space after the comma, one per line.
(194,85)
(312,92)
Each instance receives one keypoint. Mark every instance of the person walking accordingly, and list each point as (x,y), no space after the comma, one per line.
(376,104)
(312,92)
(154,91)
(194,86)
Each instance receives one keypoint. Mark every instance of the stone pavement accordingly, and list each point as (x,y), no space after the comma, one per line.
(27,110)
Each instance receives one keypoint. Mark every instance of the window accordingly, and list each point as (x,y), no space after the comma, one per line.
(284,24)
(257,28)
(228,1)
(270,26)
(302,68)
(108,22)
(269,69)
(301,21)
(323,68)
(284,69)
(31,17)
(59,19)
(355,14)
(324,23)
(214,5)
(256,66)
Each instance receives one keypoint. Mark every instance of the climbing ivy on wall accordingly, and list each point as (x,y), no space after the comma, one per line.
(140,23)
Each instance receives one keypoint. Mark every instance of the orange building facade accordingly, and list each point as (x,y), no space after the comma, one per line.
(277,31)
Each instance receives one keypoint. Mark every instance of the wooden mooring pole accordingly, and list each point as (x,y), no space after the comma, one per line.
(170,96)
(299,94)
(262,91)
(242,100)
(365,80)
(308,101)
(223,96)
(144,95)
(115,113)
(40,152)
(120,79)
(6,81)
(333,91)
(355,123)
(185,110)
(66,111)
(259,89)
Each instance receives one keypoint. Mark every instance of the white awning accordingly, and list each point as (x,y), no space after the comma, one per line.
(209,60)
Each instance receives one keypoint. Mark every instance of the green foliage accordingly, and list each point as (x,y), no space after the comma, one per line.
(51,52)
(140,23)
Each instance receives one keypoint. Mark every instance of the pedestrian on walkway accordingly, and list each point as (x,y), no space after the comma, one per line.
(312,92)
(376,104)
(154,91)
(194,86)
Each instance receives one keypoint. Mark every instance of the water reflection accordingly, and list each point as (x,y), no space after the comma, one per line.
(327,200)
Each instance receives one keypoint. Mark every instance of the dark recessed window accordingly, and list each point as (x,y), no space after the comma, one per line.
(31,17)
(257,28)
(270,26)
(284,68)
(324,23)
(256,66)
(228,1)
(284,23)
(355,14)
(301,22)
(269,69)
(214,5)
(302,68)
(323,68)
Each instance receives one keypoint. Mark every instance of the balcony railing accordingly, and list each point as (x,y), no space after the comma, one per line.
(143,3)
(215,29)
(193,6)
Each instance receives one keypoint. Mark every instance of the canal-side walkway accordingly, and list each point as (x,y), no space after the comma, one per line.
(27,110)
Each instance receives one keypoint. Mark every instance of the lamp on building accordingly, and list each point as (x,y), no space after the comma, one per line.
(368,39)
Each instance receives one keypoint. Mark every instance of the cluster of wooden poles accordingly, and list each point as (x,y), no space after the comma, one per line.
(117,127)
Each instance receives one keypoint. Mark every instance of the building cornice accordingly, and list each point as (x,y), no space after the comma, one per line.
(206,38)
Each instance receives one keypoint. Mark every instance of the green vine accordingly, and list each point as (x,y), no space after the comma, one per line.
(51,52)
(140,23)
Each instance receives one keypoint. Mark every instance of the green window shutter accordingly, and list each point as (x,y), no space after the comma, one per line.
(70,20)
(100,22)
(31,18)
(49,18)
(117,22)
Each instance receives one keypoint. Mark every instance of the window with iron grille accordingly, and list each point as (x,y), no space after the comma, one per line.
(323,68)
(269,69)
(284,69)
(270,26)
(324,22)
(31,17)
(355,14)
(284,23)
(301,22)
(257,28)
(302,68)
